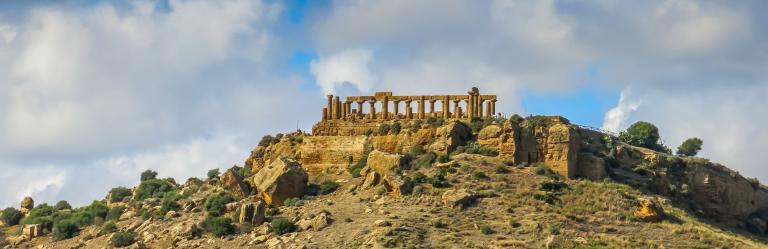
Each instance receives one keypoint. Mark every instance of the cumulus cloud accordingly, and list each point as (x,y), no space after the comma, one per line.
(348,66)
(616,118)
(21,181)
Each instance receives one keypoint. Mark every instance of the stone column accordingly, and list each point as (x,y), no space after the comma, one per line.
(336,108)
(397,107)
(471,105)
(408,109)
(385,108)
(360,107)
(325,114)
(456,108)
(493,107)
(432,107)
(480,109)
(343,110)
(372,114)
(421,107)
(446,108)
(330,107)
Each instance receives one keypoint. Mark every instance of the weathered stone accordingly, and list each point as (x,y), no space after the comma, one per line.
(282,179)
(327,154)
(26,205)
(127,215)
(31,231)
(371,180)
(252,212)
(449,136)
(650,211)
(397,185)
(186,230)
(381,223)
(490,136)
(232,182)
(460,198)
(385,163)
(562,150)
(591,167)
(172,214)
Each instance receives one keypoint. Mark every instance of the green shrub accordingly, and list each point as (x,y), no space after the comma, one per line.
(552,186)
(114,213)
(443,158)
(439,181)
(271,211)
(216,204)
(65,229)
(62,205)
(11,216)
(479,175)
(327,187)
(690,147)
(355,169)
(154,188)
(383,129)
(170,202)
(81,218)
(419,177)
(544,170)
(123,239)
(268,140)
(219,226)
(148,175)
(118,194)
(396,127)
(500,169)
(97,209)
(485,229)
(643,134)
(282,226)
(475,148)
(417,149)
(108,227)
(423,161)
(245,172)
(369,132)
(213,174)
(293,202)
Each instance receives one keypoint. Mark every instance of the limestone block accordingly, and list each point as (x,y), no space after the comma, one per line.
(252,212)
(561,150)
(282,179)
(591,167)
(385,163)
(232,182)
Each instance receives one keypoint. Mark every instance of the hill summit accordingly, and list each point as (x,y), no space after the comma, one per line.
(454,175)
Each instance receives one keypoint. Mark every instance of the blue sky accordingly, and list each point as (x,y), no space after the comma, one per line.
(102,90)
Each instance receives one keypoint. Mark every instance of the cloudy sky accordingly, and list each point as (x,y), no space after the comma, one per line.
(94,92)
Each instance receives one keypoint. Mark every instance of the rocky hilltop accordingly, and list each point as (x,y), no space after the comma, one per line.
(429,179)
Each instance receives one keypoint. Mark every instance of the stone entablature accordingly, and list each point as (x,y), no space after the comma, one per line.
(476,105)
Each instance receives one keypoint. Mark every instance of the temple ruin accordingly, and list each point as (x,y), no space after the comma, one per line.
(342,118)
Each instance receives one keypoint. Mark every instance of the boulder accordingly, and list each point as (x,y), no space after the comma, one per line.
(591,167)
(397,185)
(381,223)
(315,223)
(252,212)
(26,205)
(449,136)
(650,211)
(127,215)
(490,136)
(385,163)
(371,180)
(232,182)
(562,149)
(459,198)
(186,230)
(282,179)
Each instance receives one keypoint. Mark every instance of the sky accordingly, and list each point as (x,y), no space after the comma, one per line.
(94,92)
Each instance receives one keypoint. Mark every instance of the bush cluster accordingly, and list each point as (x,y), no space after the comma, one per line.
(154,188)
(11,216)
(293,202)
(62,205)
(148,175)
(282,226)
(213,174)
(690,147)
(119,194)
(355,169)
(327,187)
(123,239)
(474,148)
(268,140)
(645,135)
(216,204)
(219,226)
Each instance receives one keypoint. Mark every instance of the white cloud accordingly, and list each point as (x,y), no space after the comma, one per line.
(348,66)
(7,33)
(616,118)
(21,181)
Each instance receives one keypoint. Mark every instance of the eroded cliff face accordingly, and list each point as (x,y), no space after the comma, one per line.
(573,152)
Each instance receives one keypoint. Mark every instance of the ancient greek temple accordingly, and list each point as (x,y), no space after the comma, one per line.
(385,106)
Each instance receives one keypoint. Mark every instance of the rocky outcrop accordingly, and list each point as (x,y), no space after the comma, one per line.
(282,179)
(650,211)
(253,213)
(385,163)
(490,136)
(561,150)
(232,182)
(449,136)
(591,167)
(29,232)
(371,179)
(397,185)
(331,154)
(26,205)
(459,198)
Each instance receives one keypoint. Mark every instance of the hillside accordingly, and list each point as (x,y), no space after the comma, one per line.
(536,182)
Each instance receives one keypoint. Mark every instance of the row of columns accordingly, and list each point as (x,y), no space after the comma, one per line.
(340,110)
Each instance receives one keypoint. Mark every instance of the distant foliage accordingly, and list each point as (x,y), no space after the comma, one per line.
(645,135)
(170,202)
(216,204)
(213,174)
(690,147)
(114,213)
(443,158)
(219,226)
(384,129)
(327,187)
(282,226)
(11,216)
(475,148)
(293,202)
(118,194)
(396,128)
(123,239)
(97,209)
(108,227)
(62,205)
(355,169)
(148,175)
(154,188)
(65,229)
(269,140)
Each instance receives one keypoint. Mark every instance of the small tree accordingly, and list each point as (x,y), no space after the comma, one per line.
(216,204)
(65,229)
(642,134)
(213,174)
(62,205)
(219,226)
(383,129)
(122,239)
(690,147)
(282,226)
(396,127)
(119,193)
(11,216)
(148,175)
